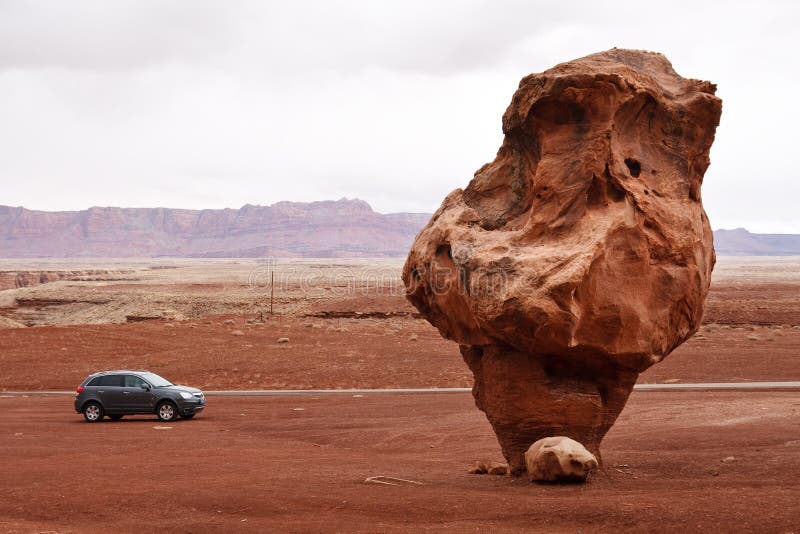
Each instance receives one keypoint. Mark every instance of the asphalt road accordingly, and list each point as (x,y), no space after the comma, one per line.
(703,386)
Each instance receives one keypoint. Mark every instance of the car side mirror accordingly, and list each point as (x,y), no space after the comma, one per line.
(145,387)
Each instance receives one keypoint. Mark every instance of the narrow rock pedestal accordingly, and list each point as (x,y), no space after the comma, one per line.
(528,397)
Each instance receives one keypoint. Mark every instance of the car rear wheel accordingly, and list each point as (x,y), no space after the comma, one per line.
(166,411)
(115,417)
(93,412)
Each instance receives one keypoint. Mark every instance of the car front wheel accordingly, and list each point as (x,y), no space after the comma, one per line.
(93,412)
(166,411)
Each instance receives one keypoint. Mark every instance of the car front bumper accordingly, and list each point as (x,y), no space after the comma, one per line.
(192,406)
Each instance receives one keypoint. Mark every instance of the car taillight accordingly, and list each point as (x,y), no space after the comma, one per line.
(80,389)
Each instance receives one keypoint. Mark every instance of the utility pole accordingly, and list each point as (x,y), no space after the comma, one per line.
(271,291)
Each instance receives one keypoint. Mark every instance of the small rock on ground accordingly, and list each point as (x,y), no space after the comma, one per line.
(497,468)
(479,468)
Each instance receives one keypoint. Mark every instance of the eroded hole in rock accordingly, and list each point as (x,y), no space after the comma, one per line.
(444,249)
(634,167)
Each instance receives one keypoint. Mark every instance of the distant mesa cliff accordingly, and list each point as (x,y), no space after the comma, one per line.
(740,242)
(342,228)
(328,229)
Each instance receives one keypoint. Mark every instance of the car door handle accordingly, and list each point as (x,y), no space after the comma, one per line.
(101,391)
(126,392)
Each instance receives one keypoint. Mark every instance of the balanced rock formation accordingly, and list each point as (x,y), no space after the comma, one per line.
(581,255)
(559,459)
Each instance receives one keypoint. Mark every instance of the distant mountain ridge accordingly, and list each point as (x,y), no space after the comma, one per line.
(740,242)
(340,228)
(326,229)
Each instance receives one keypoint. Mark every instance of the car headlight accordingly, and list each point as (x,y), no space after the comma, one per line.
(186,395)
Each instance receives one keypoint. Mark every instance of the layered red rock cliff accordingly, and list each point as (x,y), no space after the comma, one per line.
(19,279)
(343,228)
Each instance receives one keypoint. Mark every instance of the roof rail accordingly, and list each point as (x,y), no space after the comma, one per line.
(122,371)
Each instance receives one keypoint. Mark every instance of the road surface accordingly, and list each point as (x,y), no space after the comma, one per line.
(702,386)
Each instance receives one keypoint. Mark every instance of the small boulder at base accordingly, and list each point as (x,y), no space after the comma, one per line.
(559,459)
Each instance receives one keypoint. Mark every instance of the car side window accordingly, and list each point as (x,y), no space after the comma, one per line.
(95,381)
(132,381)
(109,381)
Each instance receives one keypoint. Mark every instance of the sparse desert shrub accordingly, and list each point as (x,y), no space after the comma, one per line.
(753,338)
(337,329)
(283,340)
(414,337)
(237,333)
(169,325)
(228,322)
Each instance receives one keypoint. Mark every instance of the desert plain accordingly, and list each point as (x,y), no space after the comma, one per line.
(718,461)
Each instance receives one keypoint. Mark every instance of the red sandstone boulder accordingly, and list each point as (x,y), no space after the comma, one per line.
(559,459)
(581,255)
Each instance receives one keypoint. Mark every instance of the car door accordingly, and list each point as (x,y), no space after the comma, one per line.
(109,392)
(137,397)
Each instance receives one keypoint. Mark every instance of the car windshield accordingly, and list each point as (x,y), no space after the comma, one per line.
(156,380)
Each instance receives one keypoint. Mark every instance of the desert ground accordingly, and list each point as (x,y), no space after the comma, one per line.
(719,462)
(674,460)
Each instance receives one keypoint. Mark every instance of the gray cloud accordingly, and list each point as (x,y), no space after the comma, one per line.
(97,35)
(273,37)
(212,104)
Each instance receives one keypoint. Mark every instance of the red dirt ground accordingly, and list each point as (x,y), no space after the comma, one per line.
(716,462)
(337,353)
(258,464)
(752,333)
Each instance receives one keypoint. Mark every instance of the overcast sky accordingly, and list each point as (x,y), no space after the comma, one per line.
(218,104)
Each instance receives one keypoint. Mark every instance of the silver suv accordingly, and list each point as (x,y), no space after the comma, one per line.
(119,393)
